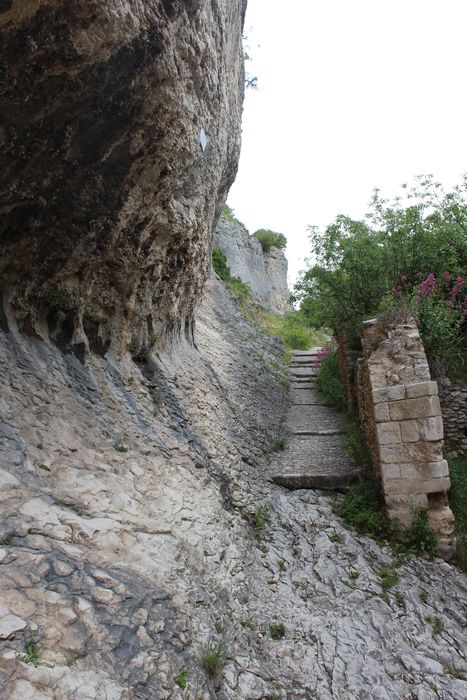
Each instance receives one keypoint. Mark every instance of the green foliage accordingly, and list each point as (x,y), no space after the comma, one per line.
(181,679)
(219,263)
(278,444)
(240,291)
(32,652)
(328,382)
(363,508)
(458,503)
(419,537)
(229,214)
(213,658)
(277,630)
(259,520)
(270,239)
(356,444)
(387,577)
(292,328)
(360,264)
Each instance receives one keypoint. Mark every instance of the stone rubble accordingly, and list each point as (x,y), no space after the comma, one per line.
(128,496)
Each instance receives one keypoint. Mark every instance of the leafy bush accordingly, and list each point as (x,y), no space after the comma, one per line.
(219,263)
(415,249)
(328,382)
(270,239)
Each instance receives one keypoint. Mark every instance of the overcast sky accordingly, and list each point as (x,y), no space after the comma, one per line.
(352,95)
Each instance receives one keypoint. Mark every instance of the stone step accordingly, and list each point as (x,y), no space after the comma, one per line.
(314,462)
(314,418)
(302,371)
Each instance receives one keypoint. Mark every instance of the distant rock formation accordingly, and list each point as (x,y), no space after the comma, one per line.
(266,273)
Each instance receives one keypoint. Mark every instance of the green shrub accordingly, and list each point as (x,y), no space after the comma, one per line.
(328,382)
(277,630)
(270,239)
(363,508)
(239,290)
(219,263)
(296,338)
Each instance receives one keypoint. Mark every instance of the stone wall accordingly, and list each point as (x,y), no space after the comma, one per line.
(266,273)
(401,416)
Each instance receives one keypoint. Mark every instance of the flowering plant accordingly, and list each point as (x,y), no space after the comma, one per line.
(439,306)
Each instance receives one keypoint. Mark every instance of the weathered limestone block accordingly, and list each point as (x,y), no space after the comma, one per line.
(388,433)
(430,429)
(381,411)
(420,452)
(413,391)
(421,407)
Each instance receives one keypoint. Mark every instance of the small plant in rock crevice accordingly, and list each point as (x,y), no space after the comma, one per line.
(278,444)
(181,679)
(277,630)
(387,577)
(214,658)
(259,520)
(32,651)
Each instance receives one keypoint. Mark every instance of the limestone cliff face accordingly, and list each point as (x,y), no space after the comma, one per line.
(119,134)
(265,273)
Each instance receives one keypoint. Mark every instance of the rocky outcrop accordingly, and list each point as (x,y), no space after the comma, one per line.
(266,273)
(120,134)
(129,541)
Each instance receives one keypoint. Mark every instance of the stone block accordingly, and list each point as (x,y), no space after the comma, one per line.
(388,433)
(410,431)
(382,412)
(396,393)
(409,501)
(414,391)
(403,516)
(422,407)
(379,395)
(411,453)
(391,471)
(416,486)
(431,429)
(433,470)
(410,470)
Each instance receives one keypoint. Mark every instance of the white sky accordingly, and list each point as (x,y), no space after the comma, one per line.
(353,94)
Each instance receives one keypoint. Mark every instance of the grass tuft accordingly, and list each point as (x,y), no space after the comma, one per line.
(213,658)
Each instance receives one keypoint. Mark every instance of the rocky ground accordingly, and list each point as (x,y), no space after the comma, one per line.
(130,542)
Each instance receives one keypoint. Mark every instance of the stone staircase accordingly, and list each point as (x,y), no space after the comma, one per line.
(314,457)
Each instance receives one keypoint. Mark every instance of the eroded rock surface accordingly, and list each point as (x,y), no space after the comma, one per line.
(119,135)
(128,495)
(266,273)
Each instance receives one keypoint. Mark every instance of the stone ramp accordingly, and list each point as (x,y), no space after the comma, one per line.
(315,457)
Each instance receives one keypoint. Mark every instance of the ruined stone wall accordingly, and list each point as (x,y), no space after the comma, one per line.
(401,414)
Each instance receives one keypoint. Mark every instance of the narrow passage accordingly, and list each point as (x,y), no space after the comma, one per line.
(315,456)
